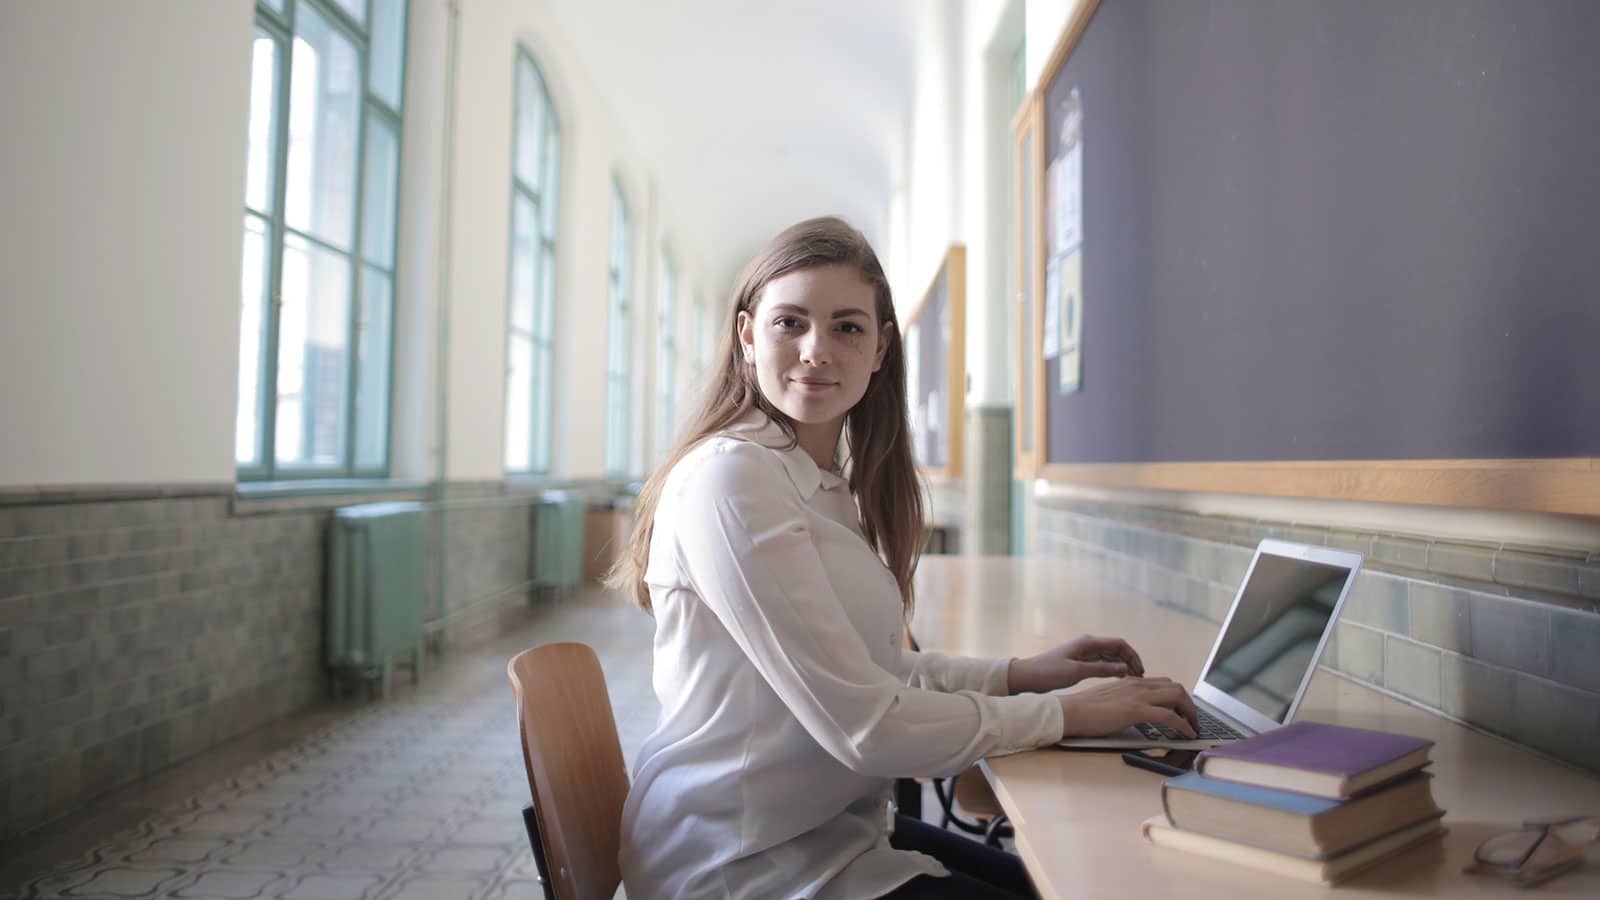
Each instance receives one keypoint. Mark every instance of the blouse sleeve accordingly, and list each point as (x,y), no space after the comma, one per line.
(747,550)
(933,671)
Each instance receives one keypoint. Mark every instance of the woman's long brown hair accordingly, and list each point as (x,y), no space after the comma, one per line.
(882,473)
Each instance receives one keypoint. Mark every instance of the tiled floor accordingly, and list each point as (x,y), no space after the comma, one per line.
(415,798)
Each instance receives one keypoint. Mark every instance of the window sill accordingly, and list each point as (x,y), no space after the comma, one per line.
(252,497)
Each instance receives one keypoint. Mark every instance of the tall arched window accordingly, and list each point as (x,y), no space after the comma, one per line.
(620,350)
(666,352)
(530,331)
(320,209)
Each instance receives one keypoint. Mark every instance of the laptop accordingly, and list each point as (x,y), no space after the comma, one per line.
(1266,652)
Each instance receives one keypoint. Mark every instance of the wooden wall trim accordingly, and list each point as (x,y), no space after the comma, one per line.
(1566,486)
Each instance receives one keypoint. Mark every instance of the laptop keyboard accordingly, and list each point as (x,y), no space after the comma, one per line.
(1211,729)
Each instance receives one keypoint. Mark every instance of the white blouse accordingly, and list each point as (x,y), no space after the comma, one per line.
(787,702)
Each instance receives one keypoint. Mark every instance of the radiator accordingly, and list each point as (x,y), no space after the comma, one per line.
(556,558)
(375,589)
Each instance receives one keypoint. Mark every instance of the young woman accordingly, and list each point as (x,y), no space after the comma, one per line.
(780,578)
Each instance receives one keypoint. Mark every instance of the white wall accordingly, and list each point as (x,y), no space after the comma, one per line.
(594,149)
(1046,19)
(119,336)
(934,154)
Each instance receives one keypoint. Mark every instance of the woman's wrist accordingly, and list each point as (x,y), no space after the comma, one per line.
(1019,678)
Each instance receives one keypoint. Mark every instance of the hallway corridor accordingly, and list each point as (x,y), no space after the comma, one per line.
(418,797)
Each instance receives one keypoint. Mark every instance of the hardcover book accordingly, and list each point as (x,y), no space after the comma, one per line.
(1313,758)
(1316,871)
(1296,824)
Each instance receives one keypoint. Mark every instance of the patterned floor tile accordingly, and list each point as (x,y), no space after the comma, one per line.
(477,860)
(265,853)
(437,888)
(124,881)
(222,884)
(370,858)
(176,849)
(336,887)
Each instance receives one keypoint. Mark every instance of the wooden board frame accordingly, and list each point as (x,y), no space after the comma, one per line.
(1569,486)
(953,268)
(1028,437)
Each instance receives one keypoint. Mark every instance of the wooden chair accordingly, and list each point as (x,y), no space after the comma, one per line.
(575,769)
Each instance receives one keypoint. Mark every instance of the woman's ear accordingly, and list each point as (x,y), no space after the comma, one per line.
(747,335)
(884,335)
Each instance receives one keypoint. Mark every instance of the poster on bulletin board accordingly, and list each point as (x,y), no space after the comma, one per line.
(1063,326)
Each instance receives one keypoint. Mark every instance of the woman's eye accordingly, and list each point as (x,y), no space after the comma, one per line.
(787,322)
(853,328)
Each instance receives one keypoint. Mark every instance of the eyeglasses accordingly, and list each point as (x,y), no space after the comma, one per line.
(1541,850)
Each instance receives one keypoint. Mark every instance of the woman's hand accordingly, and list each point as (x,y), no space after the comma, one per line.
(1072,662)
(1108,708)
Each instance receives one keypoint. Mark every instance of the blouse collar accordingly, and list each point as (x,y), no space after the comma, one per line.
(757,427)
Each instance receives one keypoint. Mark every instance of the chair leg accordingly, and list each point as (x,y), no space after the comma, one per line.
(908,797)
(946,794)
(530,821)
(999,827)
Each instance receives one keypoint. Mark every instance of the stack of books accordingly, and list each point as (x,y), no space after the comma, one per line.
(1310,801)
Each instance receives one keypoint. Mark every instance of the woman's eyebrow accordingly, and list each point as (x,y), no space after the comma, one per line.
(837,314)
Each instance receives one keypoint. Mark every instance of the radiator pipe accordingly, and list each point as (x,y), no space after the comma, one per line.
(442,348)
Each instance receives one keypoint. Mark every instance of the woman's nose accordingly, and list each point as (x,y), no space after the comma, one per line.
(814,349)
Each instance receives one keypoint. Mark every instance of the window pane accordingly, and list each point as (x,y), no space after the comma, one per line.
(530,122)
(356,8)
(1025,304)
(524,251)
(378,194)
(547,294)
(313,355)
(324,120)
(252,331)
(387,64)
(542,426)
(262,163)
(372,374)
(519,403)
(616,425)
(274,5)
(550,185)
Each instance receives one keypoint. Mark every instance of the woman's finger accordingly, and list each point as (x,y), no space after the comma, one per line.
(1103,669)
(1170,719)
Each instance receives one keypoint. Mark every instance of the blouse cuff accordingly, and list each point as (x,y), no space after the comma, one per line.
(1029,721)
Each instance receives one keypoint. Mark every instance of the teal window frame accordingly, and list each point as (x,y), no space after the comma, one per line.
(698,324)
(538,333)
(620,350)
(277,20)
(667,350)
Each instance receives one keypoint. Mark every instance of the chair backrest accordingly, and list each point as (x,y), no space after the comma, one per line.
(575,767)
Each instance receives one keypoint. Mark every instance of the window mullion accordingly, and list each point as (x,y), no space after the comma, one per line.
(358,273)
(356,31)
(280,190)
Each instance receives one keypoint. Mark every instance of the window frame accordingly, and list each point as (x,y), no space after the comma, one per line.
(280,24)
(619,288)
(667,347)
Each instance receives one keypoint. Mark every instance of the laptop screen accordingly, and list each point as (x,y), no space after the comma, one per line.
(1270,641)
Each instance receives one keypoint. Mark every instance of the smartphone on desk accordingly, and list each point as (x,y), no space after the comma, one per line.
(1162,761)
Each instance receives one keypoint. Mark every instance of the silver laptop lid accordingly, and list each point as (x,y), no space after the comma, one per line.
(1269,645)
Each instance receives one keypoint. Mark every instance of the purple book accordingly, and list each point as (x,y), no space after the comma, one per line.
(1313,758)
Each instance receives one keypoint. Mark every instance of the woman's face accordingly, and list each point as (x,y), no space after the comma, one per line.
(815,342)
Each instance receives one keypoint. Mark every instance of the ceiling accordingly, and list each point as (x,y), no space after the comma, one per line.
(754,115)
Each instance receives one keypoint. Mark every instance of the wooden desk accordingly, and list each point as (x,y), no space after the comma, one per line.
(1077,814)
